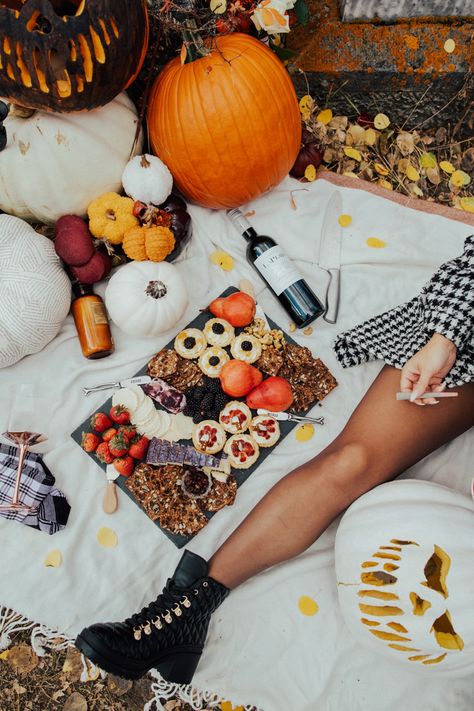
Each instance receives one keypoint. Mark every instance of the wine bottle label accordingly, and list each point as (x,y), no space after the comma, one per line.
(277,269)
(99,314)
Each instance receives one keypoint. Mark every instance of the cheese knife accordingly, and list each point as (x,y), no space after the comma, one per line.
(110,500)
(330,254)
(139,380)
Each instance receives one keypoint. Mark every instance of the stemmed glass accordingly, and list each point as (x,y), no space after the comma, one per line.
(23,417)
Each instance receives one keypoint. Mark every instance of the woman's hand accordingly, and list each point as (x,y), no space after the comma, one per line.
(427,368)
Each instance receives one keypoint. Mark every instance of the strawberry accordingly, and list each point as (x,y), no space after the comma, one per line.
(90,441)
(139,447)
(103,453)
(128,430)
(124,465)
(119,445)
(100,422)
(108,434)
(119,414)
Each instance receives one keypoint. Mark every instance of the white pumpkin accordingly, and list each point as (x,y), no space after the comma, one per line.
(147,178)
(145,299)
(405,573)
(56,164)
(35,293)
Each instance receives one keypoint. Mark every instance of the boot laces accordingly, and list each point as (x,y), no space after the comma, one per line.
(163,603)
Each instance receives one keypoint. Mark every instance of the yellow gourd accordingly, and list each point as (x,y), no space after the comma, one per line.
(134,244)
(111,216)
(152,243)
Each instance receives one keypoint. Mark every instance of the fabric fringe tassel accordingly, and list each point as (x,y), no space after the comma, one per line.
(42,637)
(196,698)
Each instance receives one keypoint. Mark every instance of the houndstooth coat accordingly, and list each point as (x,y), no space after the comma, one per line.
(445,305)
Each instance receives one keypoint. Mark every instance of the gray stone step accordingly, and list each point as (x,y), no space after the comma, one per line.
(392,10)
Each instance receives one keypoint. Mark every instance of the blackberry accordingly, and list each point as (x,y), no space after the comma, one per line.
(213,360)
(221,401)
(246,346)
(217,328)
(197,418)
(189,343)
(207,402)
(211,384)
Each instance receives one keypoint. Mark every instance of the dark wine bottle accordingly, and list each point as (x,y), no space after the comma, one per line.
(278,271)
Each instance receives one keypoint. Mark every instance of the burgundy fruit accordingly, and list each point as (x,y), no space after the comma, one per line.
(309,154)
(95,270)
(73,241)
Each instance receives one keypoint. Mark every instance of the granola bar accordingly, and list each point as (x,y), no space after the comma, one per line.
(270,361)
(221,494)
(181,515)
(163,364)
(309,377)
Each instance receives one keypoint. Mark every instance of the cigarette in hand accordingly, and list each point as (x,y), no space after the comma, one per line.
(407,396)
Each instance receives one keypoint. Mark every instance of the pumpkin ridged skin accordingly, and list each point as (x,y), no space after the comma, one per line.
(55,164)
(159,242)
(227,125)
(134,244)
(102,50)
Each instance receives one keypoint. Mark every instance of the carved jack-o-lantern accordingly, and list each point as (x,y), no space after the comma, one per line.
(68,55)
(404,565)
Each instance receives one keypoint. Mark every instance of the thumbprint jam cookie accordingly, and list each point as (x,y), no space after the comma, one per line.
(212,361)
(235,417)
(246,347)
(242,450)
(265,430)
(219,332)
(208,437)
(190,343)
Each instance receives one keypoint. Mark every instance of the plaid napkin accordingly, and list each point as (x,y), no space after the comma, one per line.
(36,489)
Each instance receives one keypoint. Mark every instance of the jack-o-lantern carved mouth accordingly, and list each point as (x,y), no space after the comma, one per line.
(70,54)
(383,603)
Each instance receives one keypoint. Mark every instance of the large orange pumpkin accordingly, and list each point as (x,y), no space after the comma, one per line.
(228,124)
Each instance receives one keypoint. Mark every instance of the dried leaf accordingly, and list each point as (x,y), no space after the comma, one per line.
(106,537)
(324,116)
(433,176)
(375,242)
(218,7)
(467,203)
(22,659)
(385,184)
(310,173)
(350,174)
(353,153)
(345,220)
(381,169)
(339,122)
(329,155)
(412,173)
(459,179)
(72,666)
(75,702)
(406,143)
(449,45)
(118,686)
(370,137)
(381,121)
(415,190)
(447,167)
(53,559)
(222,260)
(358,134)
(403,164)
(306,103)
(428,160)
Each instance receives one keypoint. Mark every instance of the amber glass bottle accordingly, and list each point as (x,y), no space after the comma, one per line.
(91,322)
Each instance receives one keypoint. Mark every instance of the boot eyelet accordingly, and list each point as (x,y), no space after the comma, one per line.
(157,623)
(137,633)
(147,628)
(185,602)
(205,584)
(196,591)
(167,617)
(177,611)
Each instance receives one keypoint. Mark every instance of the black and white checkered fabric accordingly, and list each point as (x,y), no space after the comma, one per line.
(445,305)
(50,507)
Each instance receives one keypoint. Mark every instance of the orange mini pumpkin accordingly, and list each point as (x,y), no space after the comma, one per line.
(228,124)
(153,243)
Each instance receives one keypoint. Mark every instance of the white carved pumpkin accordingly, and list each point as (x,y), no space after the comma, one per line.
(35,293)
(145,299)
(405,574)
(56,164)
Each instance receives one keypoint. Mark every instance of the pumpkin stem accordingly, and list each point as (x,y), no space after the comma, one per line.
(23,112)
(144,162)
(156,289)
(110,215)
(192,43)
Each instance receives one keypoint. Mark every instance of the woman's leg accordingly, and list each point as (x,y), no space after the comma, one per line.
(382,438)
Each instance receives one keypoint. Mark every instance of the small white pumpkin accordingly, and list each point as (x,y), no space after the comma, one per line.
(145,299)
(56,164)
(147,178)
(405,573)
(35,293)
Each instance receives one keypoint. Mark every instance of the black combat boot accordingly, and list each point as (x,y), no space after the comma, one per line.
(167,635)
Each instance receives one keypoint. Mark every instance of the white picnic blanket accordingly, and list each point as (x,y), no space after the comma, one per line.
(261,649)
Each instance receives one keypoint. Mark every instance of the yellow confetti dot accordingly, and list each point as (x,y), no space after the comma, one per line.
(107,538)
(467,204)
(385,184)
(447,167)
(381,121)
(345,220)
(459,179)
(412,173)
(308,606)
(324,116)
(380,169)
(310,173)
(449,45)
(222,260)
(53,559)
(353,153)
(428,160)
(375,242)
(304,432)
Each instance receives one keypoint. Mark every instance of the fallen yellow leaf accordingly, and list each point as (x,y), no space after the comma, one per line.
(324,116)
(375,242)
(218,6)
(459,179)
(308,606)
(381,121)
(412,173)
(447,167)
(53,559)
(310,173)
(345,220)
(304,433)
(306,103)
(222,260)
(107,538)
(428,160)
(385,184)
(226,706)
(350,174)
(380,169)
(449,45)
(353,153)
(467,203)
(370,137)
(4,655)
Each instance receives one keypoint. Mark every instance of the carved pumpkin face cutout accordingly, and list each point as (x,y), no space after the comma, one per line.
(409,595)
(68,55)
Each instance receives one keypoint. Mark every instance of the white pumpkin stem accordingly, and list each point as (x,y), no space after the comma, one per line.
(110,215)
(144,162)
(156,289)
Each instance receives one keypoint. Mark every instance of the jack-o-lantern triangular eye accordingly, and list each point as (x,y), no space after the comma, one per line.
(436,571)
